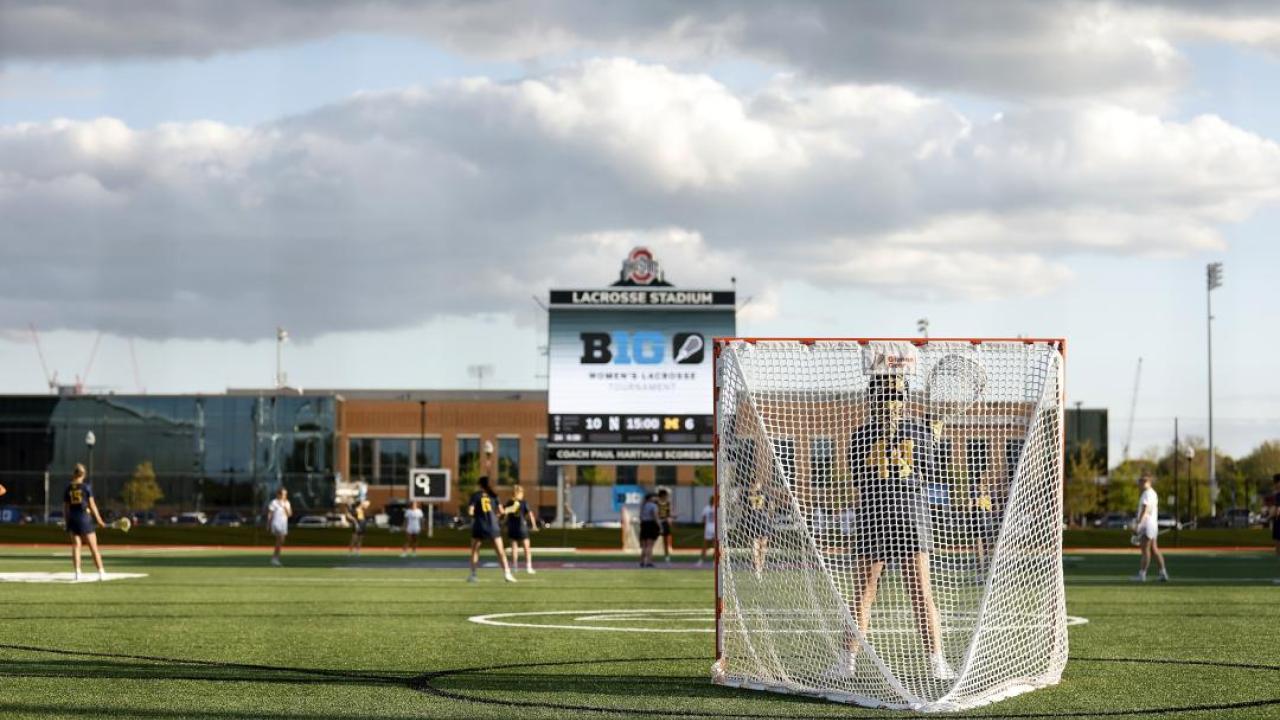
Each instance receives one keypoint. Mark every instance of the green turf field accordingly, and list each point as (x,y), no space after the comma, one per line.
(224,636)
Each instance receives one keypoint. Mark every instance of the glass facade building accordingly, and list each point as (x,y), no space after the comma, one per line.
(208,452)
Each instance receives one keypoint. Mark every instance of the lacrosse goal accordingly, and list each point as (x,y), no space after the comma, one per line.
(890,519)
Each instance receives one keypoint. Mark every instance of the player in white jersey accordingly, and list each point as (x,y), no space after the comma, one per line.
(412,528)
(1147,530)
(278,513)
(708,529)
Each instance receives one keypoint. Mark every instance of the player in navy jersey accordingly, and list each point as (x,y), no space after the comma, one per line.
(666,521)
(81,514)
(890,461)
(1275,512)
(355,514)
(483,509)
(520,519)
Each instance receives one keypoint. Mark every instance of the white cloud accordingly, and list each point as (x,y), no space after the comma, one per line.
(467,197)
(1028,48)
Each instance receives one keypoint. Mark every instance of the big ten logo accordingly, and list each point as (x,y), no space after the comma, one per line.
(642,347)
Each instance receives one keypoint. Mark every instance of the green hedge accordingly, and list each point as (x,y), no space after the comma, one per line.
(687,536)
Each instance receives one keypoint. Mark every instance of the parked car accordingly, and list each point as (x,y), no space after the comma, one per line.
(338,520)
(1236,518)
(144,518)
(1166,521)
(191,519)
(55,517)
(1115,521)
(312,521)
(226,518)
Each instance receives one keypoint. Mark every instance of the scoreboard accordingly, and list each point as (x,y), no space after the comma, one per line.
(631,374)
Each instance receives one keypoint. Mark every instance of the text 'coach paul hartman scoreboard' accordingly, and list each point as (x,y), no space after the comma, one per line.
(631,374)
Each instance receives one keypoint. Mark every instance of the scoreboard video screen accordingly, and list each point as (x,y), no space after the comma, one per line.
(631,374)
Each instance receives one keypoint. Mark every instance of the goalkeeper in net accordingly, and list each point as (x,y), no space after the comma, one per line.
(889,456)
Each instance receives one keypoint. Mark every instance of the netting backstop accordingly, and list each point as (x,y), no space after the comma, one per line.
(890,519)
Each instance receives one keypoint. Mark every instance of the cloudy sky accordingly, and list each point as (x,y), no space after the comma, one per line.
(395,181)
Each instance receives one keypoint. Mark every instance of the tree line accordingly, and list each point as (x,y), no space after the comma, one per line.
(1242,482)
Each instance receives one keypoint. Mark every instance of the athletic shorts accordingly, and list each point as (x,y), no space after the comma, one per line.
(664,527)
(757,525)
(479,532)
(80,524)
(1275,530)
(359,527)
(1148,531)
(650,530)
(709,534)
(280,530)
(520,533)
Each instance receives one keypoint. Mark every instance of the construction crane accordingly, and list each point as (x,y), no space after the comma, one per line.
(1133,409)
(51,380)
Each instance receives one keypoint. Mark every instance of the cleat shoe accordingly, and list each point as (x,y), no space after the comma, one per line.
(509,577)
(472,578)
(1164,576)
(1139,578)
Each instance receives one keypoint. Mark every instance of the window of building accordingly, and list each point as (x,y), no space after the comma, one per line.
(360,459)
(628,475)
(509,461)
(427,452)
(785,450)
(468,462)
(393,461)
(704,475)
(822,460)
(664,474)
(978,461)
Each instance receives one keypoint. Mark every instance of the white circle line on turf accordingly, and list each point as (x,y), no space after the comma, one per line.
(502,620)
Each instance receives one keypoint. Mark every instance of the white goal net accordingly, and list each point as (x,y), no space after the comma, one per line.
(890,519)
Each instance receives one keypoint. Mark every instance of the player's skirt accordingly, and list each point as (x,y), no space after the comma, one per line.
(1148,530)
(650,530)
(892,526)
(79,524)
(1275,530)
(413,530)
(664,527)
(709,534)
(359,527)
(757,524)
(518,532)
(484,532)
(280,529)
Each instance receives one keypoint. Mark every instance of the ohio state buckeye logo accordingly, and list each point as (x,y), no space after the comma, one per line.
(640,267)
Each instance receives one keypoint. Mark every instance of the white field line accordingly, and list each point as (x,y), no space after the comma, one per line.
(64,577)
(641,615)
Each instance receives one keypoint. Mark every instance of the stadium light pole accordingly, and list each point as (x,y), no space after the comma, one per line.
(89,441)
(1213,279)
(1177,509)
(281,336)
